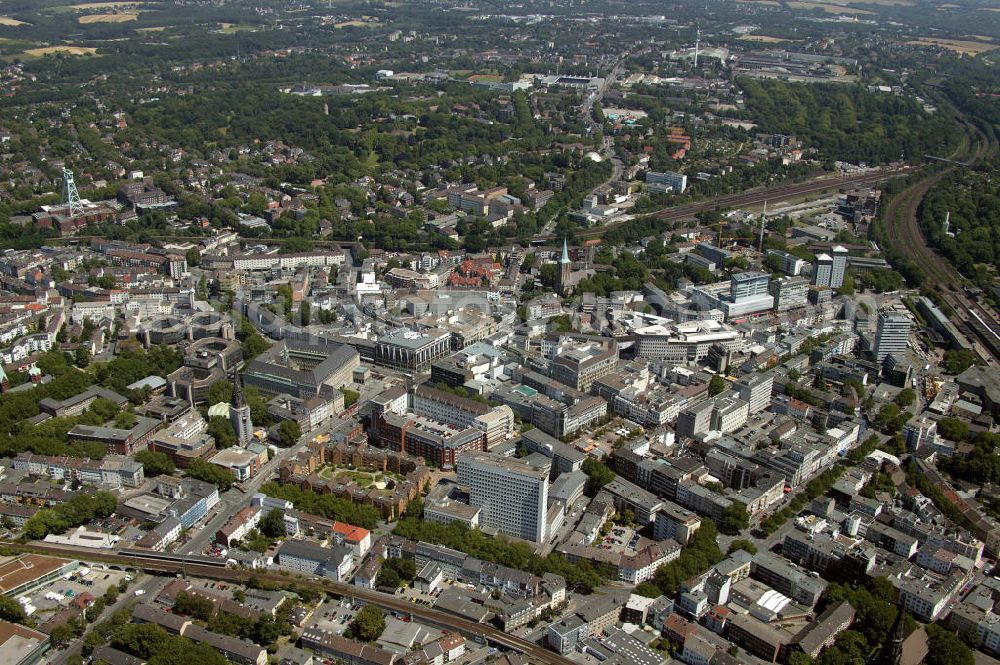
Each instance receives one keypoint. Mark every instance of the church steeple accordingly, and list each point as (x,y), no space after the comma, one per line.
(239,413)
(565,270)
(238,399)
(893,654)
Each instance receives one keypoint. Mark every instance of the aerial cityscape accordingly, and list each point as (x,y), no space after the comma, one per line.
(570,332)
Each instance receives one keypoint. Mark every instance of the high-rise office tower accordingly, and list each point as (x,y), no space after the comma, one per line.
(512,493)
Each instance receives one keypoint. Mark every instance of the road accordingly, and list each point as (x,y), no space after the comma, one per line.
(230,502)
(436,617)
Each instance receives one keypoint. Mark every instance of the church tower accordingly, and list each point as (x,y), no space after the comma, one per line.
(565,269)
(239,413)
(893,650)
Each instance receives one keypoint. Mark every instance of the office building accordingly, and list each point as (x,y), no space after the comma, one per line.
(755,389)
(745,285)
(512,493)
(891,334)
(788,263)
(822,271)
(412,351)
(496,423)
(302,369)
(578,361)
(789,293)
(668,181)
(695,419)
(311,559)
(839,267)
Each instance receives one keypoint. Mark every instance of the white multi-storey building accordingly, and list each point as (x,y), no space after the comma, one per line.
(668,181)
(512,493)
(892,334)
(755,389)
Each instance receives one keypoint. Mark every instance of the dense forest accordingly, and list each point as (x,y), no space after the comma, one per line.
(849,123)
(971,202)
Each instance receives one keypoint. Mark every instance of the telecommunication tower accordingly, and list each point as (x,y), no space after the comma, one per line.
(697,47)
(72,201)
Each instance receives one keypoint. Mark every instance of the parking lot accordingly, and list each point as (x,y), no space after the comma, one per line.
(59,594)
(333,615)
(621,539)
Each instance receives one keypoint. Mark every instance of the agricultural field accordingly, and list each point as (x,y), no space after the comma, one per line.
(962,47)
(122,17)
(67,49)
(763,39)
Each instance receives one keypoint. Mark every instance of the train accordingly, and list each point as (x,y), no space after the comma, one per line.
(172,557)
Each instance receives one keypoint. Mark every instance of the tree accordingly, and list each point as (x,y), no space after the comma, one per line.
(350,397)
(220,391)
(716,385)
(210,473)
(906,397)
(141,640)
(953,429)
(367,625)
(182,651)
(305,312)
(272,524)
(222,431)
(125,420)
(193,257)
(388,578)
(734,518)
(154,463)
(598,475)
(742,544)
(957,361)
(11,610)
(289,432)
(945,648)
(81,357)
(194,606)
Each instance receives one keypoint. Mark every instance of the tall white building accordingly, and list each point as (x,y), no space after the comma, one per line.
(838,267)
(755,390)
(891,334)
(512,493)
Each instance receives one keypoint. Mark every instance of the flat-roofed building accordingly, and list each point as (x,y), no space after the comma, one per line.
(28,572)
(496,423)
(578,361)
(20,645)
(412,351)
(512,493)
(301,369)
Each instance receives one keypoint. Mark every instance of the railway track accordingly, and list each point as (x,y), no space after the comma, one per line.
(904,232)
(780,192)
(152,564)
